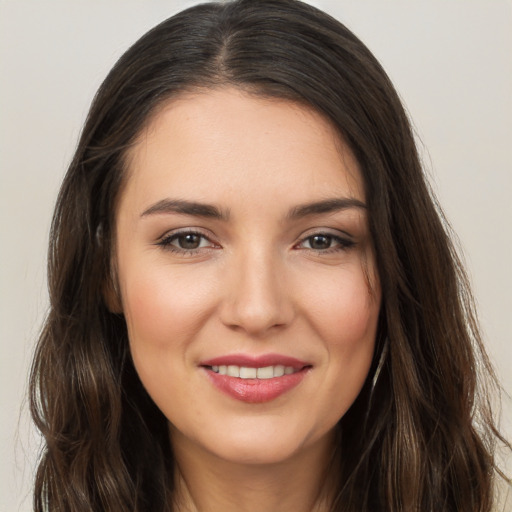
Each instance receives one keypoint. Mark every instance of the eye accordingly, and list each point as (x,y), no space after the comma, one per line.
(325,242)
(189,241)
(319,242)
(186,242)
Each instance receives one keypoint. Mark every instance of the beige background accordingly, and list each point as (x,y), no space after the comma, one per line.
(451,61)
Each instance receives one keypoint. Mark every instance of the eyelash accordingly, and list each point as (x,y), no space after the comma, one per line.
(166,243)
(342,244)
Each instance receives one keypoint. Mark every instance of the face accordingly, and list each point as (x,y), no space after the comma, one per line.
(246,274)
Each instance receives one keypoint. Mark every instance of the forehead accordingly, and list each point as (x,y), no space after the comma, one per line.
(225,144)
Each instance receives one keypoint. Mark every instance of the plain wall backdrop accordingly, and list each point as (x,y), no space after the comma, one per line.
(451,61)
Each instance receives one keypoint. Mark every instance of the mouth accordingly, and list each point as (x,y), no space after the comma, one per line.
(247,372)
(255,380)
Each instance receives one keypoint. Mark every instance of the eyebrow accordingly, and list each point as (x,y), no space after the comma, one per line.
(196,209)
(325,206)
(186,208)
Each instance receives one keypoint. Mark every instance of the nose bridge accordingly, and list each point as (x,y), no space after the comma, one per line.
(256,299)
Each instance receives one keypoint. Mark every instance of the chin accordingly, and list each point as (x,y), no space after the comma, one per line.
(256,453)
(263,443)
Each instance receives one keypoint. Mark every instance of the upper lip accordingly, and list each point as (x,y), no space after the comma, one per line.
(250,361)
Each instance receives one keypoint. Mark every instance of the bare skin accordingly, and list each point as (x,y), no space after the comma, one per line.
(205,485)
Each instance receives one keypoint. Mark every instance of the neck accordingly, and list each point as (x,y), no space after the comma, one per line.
(302,483)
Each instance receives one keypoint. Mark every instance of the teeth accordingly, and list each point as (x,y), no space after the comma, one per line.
(265,373)
(233,371)
(244,372)
(248,373)
(279,370)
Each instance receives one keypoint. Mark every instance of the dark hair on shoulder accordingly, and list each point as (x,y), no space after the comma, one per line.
(420,437)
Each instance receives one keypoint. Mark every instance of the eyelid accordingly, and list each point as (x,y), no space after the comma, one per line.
(345,240)
(334,232)
(165,240)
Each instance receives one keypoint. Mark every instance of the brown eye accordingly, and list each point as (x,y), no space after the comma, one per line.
(188,241)
(320,242)
(325,242)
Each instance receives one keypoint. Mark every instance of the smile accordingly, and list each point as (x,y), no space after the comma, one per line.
(255,379)
(245,372)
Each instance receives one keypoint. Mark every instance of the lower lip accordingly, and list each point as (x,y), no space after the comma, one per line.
(256,390)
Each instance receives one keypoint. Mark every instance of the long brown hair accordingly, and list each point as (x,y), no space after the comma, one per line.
(420,436)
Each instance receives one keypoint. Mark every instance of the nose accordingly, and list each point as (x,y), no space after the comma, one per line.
(256,297)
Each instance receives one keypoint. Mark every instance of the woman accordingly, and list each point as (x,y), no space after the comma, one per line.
(255,304)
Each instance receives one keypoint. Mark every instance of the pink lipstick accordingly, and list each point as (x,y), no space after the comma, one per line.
(255,379)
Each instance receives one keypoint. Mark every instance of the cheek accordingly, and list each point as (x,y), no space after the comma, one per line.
(356,320)
(345,317)
(345,310)
(163,310)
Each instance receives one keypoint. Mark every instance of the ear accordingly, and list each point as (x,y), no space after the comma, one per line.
(111,296)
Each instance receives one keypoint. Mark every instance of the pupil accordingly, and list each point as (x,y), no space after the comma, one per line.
(320,242)
(190,241)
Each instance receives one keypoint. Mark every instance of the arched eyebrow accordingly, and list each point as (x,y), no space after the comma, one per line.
(325,206)
(186,208)
(197,209)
